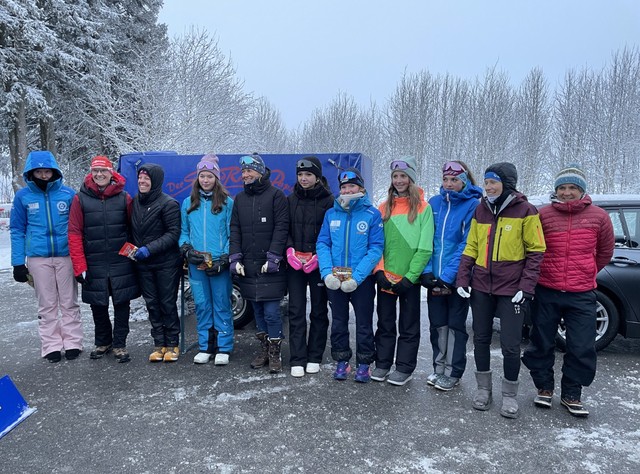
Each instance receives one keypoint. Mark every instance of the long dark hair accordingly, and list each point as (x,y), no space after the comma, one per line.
(218,198)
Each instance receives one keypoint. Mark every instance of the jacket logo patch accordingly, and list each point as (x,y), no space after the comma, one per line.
(362,226)
(62,206)
(34,206)
(334,224)
(263,219)
(508,228)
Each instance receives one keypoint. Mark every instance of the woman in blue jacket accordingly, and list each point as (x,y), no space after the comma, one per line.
(40,251)
(349,246)
(452,209)
(206,215)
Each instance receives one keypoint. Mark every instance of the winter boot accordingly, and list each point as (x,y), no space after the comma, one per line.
(482,398)
(275,361)
(509,403)
(263,356)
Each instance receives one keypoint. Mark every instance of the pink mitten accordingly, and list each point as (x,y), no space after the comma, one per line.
(311,265)
(294,262)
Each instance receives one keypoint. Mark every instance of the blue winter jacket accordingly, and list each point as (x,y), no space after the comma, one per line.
(39,219)
(351,238)
(205,231)
(452,213)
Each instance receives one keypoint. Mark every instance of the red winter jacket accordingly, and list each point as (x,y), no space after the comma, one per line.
(580,243)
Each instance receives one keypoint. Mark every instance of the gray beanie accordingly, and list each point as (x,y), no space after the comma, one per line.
(572,174)
(406,164)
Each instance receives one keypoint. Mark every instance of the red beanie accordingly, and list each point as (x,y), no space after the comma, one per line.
(101,162)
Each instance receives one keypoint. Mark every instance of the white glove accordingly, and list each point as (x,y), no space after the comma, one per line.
(464,292)
(349,285)
(239,269)
(84,275)
(331,282)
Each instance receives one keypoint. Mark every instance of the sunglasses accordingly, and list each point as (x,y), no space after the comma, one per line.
(207,165)
(247,160)
(347,176)
(399,165)
(453,166)
(306,164)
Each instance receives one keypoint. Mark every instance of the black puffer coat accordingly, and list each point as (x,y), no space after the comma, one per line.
(306,214)
(98,227)
(155,223)
(260,224)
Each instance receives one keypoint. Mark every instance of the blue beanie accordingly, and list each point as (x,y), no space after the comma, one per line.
(572,174)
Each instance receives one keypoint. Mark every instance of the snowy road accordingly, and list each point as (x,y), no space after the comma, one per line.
(103,417)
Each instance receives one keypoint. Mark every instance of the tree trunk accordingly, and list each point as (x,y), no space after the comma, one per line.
(18,147)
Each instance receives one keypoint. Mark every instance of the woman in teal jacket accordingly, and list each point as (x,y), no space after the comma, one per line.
(204,241)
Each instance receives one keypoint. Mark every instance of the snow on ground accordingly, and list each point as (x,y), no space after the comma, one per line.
(5,244)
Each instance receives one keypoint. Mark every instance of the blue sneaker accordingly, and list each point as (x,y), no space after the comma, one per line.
(343,369)
(363,374)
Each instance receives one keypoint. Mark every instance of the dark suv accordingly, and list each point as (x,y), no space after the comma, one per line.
(618,292)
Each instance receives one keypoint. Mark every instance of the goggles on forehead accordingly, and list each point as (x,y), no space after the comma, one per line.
(399,165)
(346,176)
(306,164)
(453,167)
(247,160)
(206,165)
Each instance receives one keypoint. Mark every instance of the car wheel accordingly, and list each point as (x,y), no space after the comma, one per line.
(241,308)
(607,323)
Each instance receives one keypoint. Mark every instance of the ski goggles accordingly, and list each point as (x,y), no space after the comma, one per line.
(248,161)
(399,165)
(453,168)
(206,165)
(302,165)
(347,176)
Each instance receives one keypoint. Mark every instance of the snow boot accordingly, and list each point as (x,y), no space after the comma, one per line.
(482,398)
(275,360)
(263,356)
(509,403)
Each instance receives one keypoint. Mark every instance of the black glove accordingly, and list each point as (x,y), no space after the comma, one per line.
(402,286)
(428,280)
(383,282)
(193,257)
(81,278)
(444,285)
(20,273)
(218,266)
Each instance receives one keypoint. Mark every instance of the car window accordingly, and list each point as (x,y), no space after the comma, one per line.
(626,226)
(632,220)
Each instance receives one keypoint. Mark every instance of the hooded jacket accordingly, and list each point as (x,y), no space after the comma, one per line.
(352,237)
(580,242)
(407,246)
(260,224)
(452,214)
(98,228)
(39,218)
(155,222)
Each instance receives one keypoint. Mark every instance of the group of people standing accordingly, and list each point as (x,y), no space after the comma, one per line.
(489,249)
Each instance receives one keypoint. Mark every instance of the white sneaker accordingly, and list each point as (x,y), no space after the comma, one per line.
(201,358)
(221,359)
(297,371)
(313,367)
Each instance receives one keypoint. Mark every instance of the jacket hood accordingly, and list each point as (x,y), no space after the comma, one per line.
(571,207)
(470,191)
(508,174)
(41,159)
(260,184)
(319,191)
(156,173)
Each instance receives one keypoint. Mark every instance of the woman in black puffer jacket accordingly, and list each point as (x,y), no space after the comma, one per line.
(155,223)
(308,203)
(259,231)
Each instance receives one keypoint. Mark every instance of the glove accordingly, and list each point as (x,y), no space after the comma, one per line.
(382,281)
(402,286)
(331,282)
(193,257)
(142,253)
(349,285)
(428,280)
(311,265)
(237,268)
(272,264)
(82,278)
(293,261)
(440,283)
(20,273)
(464,292)
(521,297)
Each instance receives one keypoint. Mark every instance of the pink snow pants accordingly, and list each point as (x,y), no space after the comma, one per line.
(56,289)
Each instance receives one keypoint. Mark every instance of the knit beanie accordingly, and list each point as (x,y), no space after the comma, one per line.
(253,162)
(209,162)
(572,174)
(406,164)
(310,164)
(101,162)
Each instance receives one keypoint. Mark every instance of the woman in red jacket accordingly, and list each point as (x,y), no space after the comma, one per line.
(580,243)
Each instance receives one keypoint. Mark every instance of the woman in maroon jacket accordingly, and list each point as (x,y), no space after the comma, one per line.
(580,241)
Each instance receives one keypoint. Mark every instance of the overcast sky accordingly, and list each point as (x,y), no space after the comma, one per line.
(301,54)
